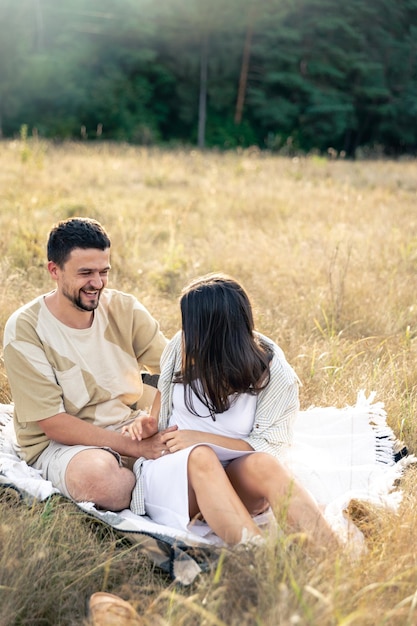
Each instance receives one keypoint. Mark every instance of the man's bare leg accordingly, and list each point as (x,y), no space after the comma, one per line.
(95,476)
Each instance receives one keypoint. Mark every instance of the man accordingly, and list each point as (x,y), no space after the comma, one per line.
(74,358)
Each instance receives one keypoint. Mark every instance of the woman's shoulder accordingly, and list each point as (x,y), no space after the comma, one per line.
(177,336)
(172,349)
(279,365)
(175,341)
(274,347)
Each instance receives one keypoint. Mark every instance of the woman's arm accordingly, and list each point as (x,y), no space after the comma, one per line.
(276,407)
(170,363)
(156,406)
(180,439)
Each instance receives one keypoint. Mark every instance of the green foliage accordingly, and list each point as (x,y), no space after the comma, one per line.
(318,74)
(335,80)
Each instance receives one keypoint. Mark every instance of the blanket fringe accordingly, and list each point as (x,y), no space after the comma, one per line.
(389,449)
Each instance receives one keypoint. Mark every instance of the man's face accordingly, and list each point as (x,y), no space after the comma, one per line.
(83,277)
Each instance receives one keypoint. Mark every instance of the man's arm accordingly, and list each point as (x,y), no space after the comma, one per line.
(70,430)
(147,339)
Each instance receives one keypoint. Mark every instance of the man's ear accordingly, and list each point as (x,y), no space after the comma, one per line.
(53,270)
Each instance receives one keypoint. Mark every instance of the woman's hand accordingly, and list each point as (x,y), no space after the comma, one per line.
(180,439)
(142,427)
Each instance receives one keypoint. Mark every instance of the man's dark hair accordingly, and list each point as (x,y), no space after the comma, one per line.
(75,232)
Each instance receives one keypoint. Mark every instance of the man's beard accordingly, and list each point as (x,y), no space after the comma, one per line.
(79,304)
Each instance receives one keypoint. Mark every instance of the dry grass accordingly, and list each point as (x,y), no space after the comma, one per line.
(328,252)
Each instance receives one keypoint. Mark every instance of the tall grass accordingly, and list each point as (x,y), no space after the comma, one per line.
(328,252)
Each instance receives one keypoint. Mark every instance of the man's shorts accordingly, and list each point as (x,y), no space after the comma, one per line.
(53,462)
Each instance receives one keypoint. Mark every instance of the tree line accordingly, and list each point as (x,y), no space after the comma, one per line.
(286,75)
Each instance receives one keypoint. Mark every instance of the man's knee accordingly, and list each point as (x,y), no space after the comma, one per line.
(94,462)
(95,475)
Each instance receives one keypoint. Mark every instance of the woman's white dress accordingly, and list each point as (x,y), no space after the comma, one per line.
(165,480)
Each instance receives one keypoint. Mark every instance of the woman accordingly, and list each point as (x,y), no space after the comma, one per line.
(232,396)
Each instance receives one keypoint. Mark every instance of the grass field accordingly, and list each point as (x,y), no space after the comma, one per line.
(327,250)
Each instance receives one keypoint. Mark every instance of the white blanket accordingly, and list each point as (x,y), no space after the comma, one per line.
(337,454)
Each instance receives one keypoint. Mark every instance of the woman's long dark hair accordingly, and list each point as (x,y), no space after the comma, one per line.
(221,354)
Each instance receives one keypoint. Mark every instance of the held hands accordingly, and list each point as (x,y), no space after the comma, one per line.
(154,444)
(149,442)
(154,447)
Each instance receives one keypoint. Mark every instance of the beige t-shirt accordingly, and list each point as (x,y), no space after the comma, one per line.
(92,373)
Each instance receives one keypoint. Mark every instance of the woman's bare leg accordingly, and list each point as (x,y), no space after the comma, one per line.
(211,493)
(260,476)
